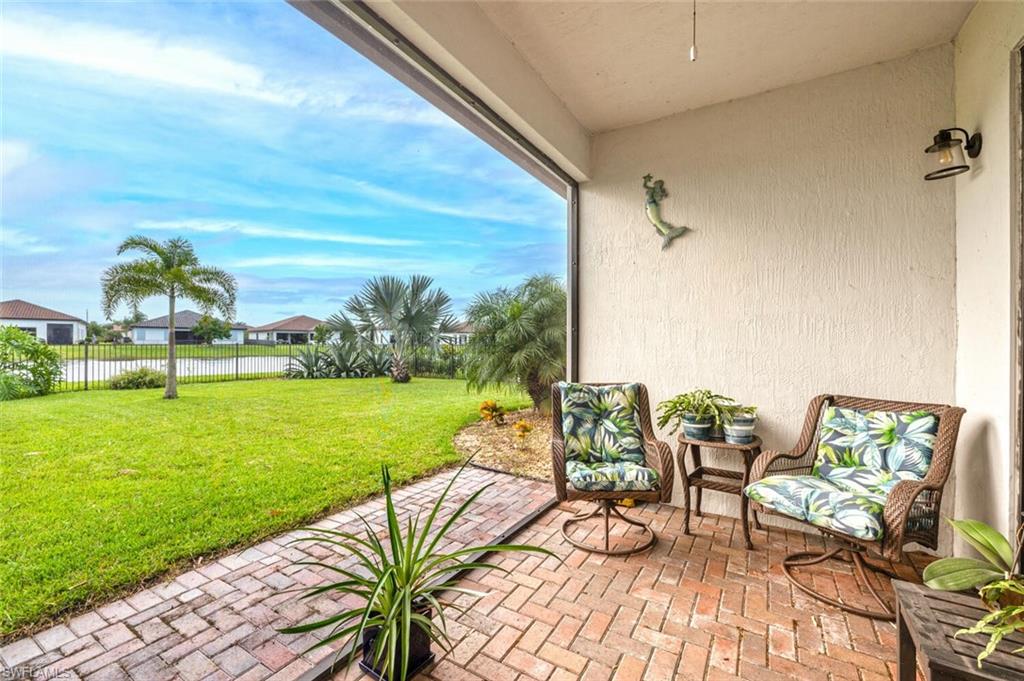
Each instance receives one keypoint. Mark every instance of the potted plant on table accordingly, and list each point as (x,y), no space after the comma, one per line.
(705,415)
(1000,588)
(739,423)
(401,582)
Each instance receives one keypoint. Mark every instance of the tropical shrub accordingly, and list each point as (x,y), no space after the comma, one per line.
(490,410)
(322,334)
(519,338)
(522,428)
(343,360)
(404,315)
(135,379)
(28,366)
(208,329)
(376,361)
(310,362)
(397,590)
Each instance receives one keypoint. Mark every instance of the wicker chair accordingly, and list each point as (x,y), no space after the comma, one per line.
(656,456)
(909,500)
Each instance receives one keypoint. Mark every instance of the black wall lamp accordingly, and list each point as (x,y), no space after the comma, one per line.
(948,159)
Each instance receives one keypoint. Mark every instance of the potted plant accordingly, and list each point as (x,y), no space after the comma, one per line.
(400,581)
(701,413)
(999,587)
(739,424)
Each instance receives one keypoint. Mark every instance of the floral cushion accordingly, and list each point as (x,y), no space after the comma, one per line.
(852,442)
(619,476)
(822,503)
(602,423)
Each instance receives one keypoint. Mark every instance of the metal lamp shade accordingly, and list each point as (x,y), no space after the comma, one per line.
(946,158)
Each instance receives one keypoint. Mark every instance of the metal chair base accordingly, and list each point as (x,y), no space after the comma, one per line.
(607,508)
(861,567)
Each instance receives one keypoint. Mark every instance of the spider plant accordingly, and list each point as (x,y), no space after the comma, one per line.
(401,581)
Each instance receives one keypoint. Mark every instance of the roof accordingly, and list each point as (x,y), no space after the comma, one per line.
(297,323)
(462,327)
(20,309)
(185,319)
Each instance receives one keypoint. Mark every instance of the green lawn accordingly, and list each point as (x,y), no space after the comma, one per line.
(101,490)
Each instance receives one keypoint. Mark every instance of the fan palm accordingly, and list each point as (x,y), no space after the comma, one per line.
(519,337)
(169,268)
(403,314)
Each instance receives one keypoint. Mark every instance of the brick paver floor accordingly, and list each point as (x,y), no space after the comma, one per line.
(694,607)
(220,621)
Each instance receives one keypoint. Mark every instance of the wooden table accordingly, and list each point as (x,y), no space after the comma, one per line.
(928,619)
(717,479)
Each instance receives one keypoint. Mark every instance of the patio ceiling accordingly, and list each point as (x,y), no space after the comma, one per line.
(620,63)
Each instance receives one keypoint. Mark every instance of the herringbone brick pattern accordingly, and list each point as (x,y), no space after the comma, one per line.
(220,621)
(694,607)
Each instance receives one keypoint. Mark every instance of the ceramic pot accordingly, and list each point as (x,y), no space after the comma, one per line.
(741,430)
(697,427)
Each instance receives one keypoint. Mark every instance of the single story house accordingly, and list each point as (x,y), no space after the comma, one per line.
(293,330)
(56,328)
(459,335)
(154,331)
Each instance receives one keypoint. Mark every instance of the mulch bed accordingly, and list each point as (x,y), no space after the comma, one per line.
(497,447)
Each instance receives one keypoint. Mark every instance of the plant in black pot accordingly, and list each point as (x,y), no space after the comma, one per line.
(701,413)
(401,581)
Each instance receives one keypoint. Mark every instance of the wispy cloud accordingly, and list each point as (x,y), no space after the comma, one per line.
(214,226)
(14,154)
(473,211)
(16,241)
(354,262)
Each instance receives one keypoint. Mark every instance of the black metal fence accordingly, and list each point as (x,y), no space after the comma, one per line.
(91,367)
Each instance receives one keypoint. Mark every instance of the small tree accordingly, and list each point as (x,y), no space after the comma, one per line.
(321,334)
(172,269)
(27,365)
(209,329)
(518,338)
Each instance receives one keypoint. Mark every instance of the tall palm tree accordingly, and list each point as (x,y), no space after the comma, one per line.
(170,268)
(519,338)
(403,314)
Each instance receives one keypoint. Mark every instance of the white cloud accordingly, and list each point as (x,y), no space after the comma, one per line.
(395,198)
(17,241)
(269,231)
(361,263)
(14,154)
(177,63)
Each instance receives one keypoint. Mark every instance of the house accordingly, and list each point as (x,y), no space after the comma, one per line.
(459,335)
(56,328)
(154,331)
(293,330)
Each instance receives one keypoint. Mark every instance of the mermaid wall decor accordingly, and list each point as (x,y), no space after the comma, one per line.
(655,193)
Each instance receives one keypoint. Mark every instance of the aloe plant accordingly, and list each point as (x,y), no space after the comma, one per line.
(993,577)
(398,579)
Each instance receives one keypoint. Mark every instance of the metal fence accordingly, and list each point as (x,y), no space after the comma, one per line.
(91,367)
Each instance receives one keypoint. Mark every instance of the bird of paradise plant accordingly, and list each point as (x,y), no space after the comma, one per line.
(401,582)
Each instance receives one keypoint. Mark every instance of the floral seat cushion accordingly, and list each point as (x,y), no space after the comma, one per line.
(861,456)
(622,476)
(601,424)
(822,503)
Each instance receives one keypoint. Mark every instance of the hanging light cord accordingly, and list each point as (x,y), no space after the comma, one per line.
(693,44)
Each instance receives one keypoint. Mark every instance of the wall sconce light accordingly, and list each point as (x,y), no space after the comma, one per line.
(948,159)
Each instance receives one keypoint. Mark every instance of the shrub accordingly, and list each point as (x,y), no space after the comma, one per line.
(27,366)
(522,428)
(310,362)
(490,410)
(135,379)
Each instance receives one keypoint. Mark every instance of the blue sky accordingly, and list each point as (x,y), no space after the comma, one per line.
(284,156)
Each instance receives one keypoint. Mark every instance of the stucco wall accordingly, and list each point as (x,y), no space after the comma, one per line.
(820,261)
(985,240)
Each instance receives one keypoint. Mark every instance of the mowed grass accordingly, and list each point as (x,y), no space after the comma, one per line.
(101,491)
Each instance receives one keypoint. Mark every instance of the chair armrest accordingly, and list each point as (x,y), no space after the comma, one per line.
(658,455)
(558,467)
(770,458)
(898,506)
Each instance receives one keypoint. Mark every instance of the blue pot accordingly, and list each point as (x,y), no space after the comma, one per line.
(741,430)
(697,427)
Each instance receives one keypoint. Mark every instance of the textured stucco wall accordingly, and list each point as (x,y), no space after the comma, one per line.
(820,261)
(984,384)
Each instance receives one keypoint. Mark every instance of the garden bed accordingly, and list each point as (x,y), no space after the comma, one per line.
(497,447)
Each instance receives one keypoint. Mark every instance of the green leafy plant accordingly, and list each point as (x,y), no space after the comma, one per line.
(998,586)
(400,581)
(701,404)
(135,379)
(322,333)
(491,411)
(518,338)
(28,366)
(344,360)
(208,329)
(376,361)
(309,362)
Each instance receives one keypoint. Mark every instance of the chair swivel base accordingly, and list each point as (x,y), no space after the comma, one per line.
(861,567)
(607,507)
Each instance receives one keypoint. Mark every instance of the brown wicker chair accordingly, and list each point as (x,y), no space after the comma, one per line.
(911,511)
(657,455)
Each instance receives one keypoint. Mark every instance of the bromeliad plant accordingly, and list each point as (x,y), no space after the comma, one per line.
(401,582)
(1000,588)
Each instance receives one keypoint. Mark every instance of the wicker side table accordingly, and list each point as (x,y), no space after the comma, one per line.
(717,479)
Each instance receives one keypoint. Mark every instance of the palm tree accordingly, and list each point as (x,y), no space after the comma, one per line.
(518,338)
(403,314)
(171,269)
